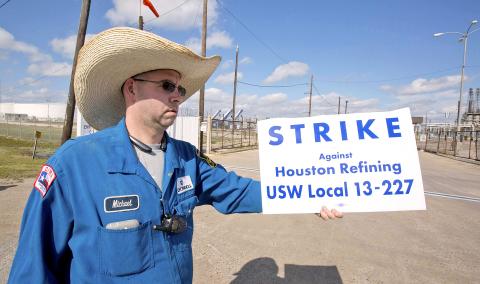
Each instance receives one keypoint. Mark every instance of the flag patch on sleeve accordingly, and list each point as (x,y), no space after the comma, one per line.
(44,180)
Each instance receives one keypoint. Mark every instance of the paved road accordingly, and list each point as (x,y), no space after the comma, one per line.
(440,245)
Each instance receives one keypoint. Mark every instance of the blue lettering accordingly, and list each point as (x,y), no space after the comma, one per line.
(391,127)
(271,196)
(275,135)
(322,133)
(281,171)
(292,191)
(282,193)
(298,134)
(343,129)
(362,129)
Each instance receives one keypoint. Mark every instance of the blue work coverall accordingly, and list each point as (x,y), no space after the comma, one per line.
(63,238)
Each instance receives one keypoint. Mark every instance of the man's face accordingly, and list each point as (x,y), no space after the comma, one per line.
(152,102)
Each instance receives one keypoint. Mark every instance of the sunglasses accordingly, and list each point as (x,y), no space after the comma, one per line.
(167,85)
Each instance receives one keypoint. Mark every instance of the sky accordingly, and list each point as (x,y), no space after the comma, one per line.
(378,55)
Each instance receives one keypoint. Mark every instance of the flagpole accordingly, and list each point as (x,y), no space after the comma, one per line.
(140,17)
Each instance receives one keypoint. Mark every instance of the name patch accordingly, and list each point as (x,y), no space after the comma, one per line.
(44,180)
(184,184)
(121,203)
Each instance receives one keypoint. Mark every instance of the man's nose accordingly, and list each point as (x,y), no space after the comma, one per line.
(175,97)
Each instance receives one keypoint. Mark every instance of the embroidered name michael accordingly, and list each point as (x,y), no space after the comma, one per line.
(121,203)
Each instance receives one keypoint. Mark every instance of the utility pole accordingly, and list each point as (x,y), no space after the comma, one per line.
(346,105)
(70,109)
(234,95)
(235,83)
(338,105)
(310,100)
(201,100)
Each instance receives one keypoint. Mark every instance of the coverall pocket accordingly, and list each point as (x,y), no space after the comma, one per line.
(126,252)
(185,208)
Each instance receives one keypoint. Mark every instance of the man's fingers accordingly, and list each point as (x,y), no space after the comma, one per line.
(326,214)
(337,214)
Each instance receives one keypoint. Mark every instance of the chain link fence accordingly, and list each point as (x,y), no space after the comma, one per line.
(464,144)
(237,134)
(51,131)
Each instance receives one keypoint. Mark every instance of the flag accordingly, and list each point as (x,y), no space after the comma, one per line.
(152,8)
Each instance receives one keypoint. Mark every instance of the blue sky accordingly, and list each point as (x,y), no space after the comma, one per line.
(378,55)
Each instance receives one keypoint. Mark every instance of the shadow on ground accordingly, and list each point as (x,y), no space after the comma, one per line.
(3,187)
(265,270)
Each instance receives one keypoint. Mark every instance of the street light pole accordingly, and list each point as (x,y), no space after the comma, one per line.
(464,38)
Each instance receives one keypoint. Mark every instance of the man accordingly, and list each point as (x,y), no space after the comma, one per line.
(116,206)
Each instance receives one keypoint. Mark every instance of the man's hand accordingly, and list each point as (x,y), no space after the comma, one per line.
(326,214)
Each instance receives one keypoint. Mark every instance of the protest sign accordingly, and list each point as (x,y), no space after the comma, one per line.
(361,162)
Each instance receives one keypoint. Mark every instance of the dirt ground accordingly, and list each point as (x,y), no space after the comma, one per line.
(439,245)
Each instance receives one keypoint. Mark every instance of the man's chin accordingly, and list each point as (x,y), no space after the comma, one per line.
(167,122)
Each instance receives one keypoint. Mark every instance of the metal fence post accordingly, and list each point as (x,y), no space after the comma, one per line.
(476,144)
(438,144)
(223,130)
(426,139)
(470,144)
(455,143)
(248,125)
(446,142)
(209,134)
(20,128)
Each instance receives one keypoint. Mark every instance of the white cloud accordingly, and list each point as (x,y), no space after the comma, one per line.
(228,78)
(421,85)
(246,60)
(66,46)
(291,69)
(53,69)
(30,82)
(35,96)
(272,99)
(220,39)
(41,64)
(433,96)
(174,14)
(227,64)
(8,42)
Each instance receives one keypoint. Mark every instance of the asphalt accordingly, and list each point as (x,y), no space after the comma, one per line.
(439,245)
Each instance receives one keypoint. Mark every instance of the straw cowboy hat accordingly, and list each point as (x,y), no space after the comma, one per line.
(115,55)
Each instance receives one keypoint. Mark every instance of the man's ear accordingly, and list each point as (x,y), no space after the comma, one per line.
(128,91)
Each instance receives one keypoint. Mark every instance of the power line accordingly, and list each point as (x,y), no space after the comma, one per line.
(4,3)
(253,34)
(323,96)
(273,86)
(168,12)
(351,82)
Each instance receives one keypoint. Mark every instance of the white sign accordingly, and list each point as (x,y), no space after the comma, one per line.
(360,162)
(83,128)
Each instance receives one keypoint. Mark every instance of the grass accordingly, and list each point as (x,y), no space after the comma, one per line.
(16,161)
(26,131)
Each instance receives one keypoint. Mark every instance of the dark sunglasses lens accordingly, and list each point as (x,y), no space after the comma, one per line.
(182,91)
(168,86)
